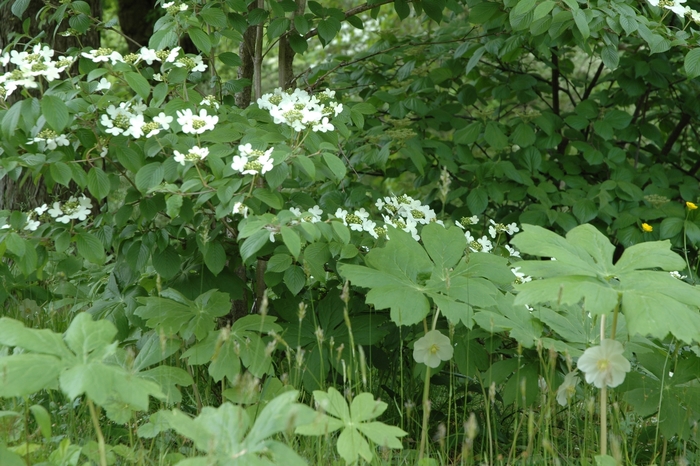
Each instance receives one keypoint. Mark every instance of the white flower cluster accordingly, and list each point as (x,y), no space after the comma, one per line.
(28,66)
(195,155)
(301,110)
(252,161)
(148,56)
(678,8)
(73,209)
(313,215)
(48,139)
(128,120)
(33,219)
(196,124)
(172,7)
(484,244)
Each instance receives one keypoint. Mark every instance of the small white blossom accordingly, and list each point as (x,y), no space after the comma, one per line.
(103,85)
(567,389)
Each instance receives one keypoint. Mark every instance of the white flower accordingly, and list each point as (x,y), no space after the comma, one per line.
(103,54)
(492,232)
(193,124)
(240,208)
(172,56)
(239,163)
(341,214)
(148,55)
(511,228)
(163,120)
(50,139)
(316,214)
(135,128)
(168,4)
(157,77)
(323,126)
(199,64)
(567,389)
(296,211)
(196,154)
(604,364)
(486,245)
(519,276)
(512,251)
(266,163)
(432,348)
(73,209)
(103,85)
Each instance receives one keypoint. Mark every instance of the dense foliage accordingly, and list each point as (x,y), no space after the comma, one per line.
(446,218)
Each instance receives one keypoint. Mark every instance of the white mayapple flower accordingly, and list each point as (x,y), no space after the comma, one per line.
(604,364)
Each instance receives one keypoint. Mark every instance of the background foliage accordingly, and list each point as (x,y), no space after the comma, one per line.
(204,309)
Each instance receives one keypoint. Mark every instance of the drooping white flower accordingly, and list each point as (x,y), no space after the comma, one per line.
(567,389)
(432,348)
(604,364)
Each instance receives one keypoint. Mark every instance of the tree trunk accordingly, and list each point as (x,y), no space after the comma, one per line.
(22,193)
(136,19)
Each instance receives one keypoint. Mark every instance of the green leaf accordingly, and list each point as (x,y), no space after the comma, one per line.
(166,262)
(173,313)
(43,420)
(543,9)
(277,27)
(200,39)
(25,374)
(610,57)
(445,246)
(336,165)
(494,136)
(55,111)
(581,23)
(523,7)
(253,243)
(295,279)
(90,247)
(149,176)
(19,7)
(328,28)
(138,83)
(691,63)
(215,257)
(477,200)
(292,240)
(98,183)
(649,255)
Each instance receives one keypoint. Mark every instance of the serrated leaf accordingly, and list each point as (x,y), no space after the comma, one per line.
(200,39)
(98,183)
(215,257)
(90,247)
(55,111)
(691,63)
(138,83)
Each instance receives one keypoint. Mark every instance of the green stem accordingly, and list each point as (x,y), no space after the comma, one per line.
(98,431)
(604,420)
(426,413)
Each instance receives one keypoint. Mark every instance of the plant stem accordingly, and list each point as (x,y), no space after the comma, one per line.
(426,413)
(98,431)
(604,390)
(604,420)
